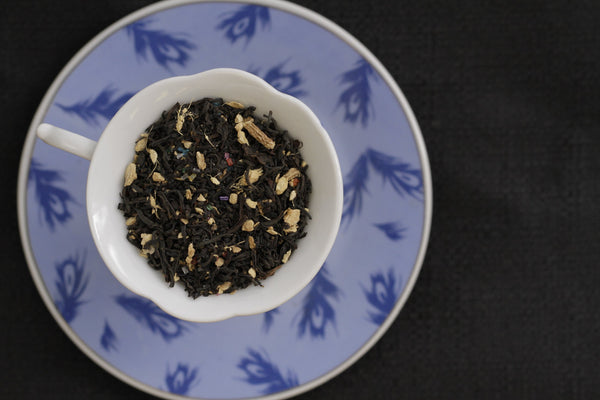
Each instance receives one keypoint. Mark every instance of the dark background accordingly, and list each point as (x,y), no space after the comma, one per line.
(507,96)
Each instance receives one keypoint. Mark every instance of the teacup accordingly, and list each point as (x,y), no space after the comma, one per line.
(115,149)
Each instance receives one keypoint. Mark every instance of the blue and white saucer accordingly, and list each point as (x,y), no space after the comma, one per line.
(370,271)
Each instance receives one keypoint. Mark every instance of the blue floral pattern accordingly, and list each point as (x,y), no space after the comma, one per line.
(382,295)
(71,283)
(317,312)
(356,98)
(403,178)
(53,200)
(105,105)
(243,22)
(260,371)
(108,340)
(166,48)
(284,80)
(386,204)
(393,230)
(268,319)
(182,379)
(355,186)
(151,317)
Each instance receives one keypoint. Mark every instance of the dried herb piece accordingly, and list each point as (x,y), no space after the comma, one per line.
(216,197)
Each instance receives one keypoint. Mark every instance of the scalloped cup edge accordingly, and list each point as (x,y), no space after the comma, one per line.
(174,300)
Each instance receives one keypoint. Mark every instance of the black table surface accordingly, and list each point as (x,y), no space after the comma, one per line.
(508,98)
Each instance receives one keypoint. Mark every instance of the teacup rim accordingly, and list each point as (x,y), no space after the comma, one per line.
(245,309)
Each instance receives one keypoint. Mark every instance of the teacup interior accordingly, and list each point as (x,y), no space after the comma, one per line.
(115,151)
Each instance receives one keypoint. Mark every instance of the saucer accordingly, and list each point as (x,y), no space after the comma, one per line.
(377,254)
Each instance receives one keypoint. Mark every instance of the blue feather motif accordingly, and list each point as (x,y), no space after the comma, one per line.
(393,230)
(71,283)
(261,371)
(53,200)
(150,316)
(317,310)
(269,318)
(382,296)
(403,178)
(356,98)
(355,186)
(286,81)
(105,104)
(108,340)
(182,379)
(243,23)
(164,47)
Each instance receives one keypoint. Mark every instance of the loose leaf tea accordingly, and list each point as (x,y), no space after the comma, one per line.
(215,198)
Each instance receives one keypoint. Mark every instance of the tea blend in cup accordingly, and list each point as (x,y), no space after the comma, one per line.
(215,198)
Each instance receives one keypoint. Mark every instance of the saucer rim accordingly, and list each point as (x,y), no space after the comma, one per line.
(160,6)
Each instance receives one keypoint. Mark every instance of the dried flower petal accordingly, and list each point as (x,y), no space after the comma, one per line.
(130,174)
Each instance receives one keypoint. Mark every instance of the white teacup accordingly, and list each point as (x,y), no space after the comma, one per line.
(115,149)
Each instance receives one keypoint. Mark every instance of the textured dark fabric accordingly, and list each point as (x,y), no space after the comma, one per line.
(508,98)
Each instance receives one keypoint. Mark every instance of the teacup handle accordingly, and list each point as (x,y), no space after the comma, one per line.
(66,140)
